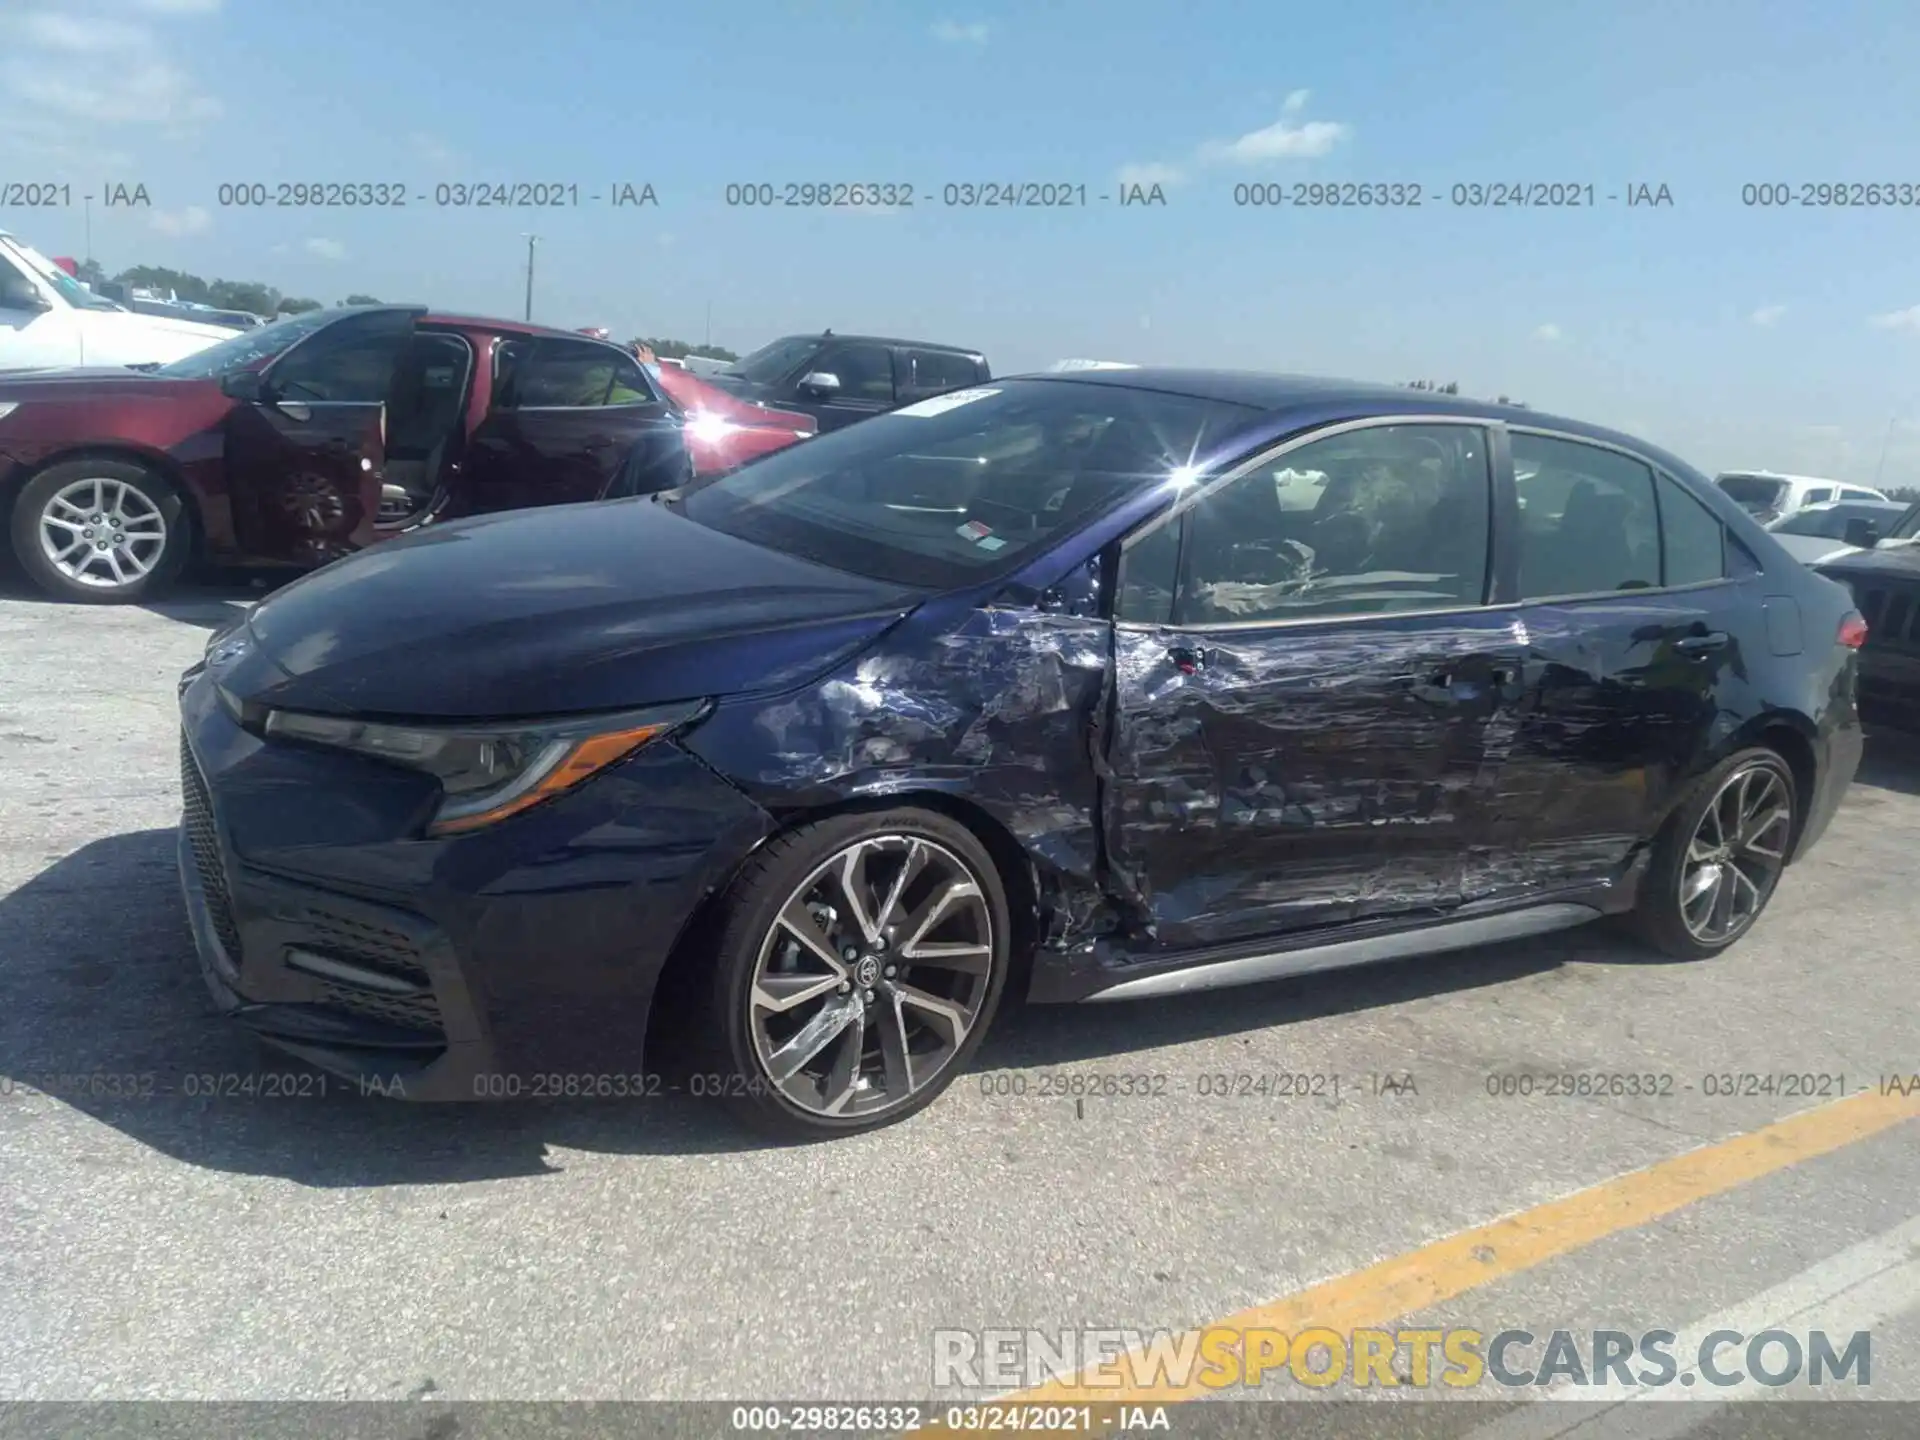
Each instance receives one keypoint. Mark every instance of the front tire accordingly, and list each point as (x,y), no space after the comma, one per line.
(103,532)
(1720,857)
(859,962)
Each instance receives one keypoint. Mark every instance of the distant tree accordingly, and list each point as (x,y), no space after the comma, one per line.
(1905,494)
(360,300)
(291,306)
(1452,387)
(91,273)
(680,349)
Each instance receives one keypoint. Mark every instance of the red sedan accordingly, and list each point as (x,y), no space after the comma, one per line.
(303,440)
(723,430)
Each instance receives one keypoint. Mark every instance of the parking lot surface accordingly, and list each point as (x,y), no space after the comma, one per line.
(202,1245)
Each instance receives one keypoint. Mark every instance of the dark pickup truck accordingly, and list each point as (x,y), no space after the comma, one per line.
(839,379)
(1884,576)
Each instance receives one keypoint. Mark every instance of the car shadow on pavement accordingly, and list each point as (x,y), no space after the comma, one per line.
(210,599)
(105,1010)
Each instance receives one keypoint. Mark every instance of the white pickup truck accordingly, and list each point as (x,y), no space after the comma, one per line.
(48,319)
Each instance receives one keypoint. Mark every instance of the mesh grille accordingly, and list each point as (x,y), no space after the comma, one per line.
(197,810)
(415,1012)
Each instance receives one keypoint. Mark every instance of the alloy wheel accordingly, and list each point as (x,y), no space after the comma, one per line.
(1735,854)
(871,977)
(102,533)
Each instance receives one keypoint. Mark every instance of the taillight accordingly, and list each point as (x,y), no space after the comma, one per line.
(1853,630)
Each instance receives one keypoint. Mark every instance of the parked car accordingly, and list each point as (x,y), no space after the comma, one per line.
(1037,685)
(304,440)
(146,302)
(1767,496)
(1883,573)
(1833,527)
(722,430)
(839,379)
(49,319)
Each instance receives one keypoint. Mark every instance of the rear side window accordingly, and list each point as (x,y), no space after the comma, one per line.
(564,375)
(1693,545)
(1752,492)
(865,372)
(930,372)
(1588,520)
(1818,496)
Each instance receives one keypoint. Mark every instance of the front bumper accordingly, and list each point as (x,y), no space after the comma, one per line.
(517,961)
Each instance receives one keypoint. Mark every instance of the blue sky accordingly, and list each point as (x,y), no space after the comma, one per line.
(1786,338)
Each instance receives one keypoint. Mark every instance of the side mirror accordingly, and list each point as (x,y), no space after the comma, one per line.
(248,385)
(22,296)
(1862,534)
(821,383)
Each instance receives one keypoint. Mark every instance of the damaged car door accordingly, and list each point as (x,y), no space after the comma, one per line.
(1310,688)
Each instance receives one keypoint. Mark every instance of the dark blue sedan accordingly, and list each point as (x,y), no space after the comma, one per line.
(1100,685)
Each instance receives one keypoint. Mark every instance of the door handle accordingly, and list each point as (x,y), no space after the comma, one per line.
(1702,644)
(1187,659)
(294,410)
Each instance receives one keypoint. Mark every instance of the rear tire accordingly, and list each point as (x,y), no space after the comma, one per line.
(1719,858)
(859,962)
(102,532)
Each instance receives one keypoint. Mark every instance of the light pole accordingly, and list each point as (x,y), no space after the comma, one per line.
(532,240)
(89,230)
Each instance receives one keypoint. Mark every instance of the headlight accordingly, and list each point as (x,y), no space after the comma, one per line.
(488,772)
(7,407)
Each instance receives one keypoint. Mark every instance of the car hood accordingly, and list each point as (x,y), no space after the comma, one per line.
(132,322)
(562,610)
(88,382)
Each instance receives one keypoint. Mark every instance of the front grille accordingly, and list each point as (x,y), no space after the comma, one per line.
(196,807)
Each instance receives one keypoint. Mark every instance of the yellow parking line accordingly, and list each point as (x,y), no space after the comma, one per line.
(1437,1272)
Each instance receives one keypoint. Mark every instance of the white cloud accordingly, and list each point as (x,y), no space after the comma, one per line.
(1549,332)
(191,221)
(1296,101)
(327,249)
(1907,319)
(84,73)
(1768,315)
(1151,173)
(952,32)
(431,148)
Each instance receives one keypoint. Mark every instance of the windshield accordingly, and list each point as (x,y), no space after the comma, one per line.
(1816,522)
(1752,492)
(941,493)
(71,290)
(1908,527)
(250,348)
(770,362)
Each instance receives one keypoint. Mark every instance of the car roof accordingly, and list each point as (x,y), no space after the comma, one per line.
(1790,479)
(966,350)
(506,327)
(1280,394)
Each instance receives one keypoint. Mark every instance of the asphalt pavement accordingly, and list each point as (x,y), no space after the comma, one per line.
(226,1246)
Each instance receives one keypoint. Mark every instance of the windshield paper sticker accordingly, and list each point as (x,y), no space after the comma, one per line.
(940,404)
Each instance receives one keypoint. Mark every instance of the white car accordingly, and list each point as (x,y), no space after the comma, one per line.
(1768,496)
(49,320)
(1820,532)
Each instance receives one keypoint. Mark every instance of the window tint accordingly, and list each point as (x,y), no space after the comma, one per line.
(865,372)
(1691,539)
(772,362)
(1752,492)
(345,363)
(16,291)
(1149,571)
(1587,519)
(562,374)
(1398,521)
(932,371)
(1818,496)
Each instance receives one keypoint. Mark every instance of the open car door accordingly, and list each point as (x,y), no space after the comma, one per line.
(305,448)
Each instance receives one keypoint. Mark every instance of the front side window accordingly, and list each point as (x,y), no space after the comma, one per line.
(1588,524)
(353,365)
(1398,521)
(934,371)
(566,375)
(946,490)
(865,372)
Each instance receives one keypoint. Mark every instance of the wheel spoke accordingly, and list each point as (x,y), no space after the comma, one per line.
(894,1056)
(798,922)
(1700,883)
(910,869)
(855,891)
(810,1039)
(971,959)
(781,991)
(844,1078)
(1720,913)
(934,910)
(941,1012)
(112,556)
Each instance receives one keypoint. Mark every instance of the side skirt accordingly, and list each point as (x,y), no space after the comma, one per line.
(1244,969)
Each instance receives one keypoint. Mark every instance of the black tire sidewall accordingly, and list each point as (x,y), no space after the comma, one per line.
(1657,914)
(750,909)
(32,499)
